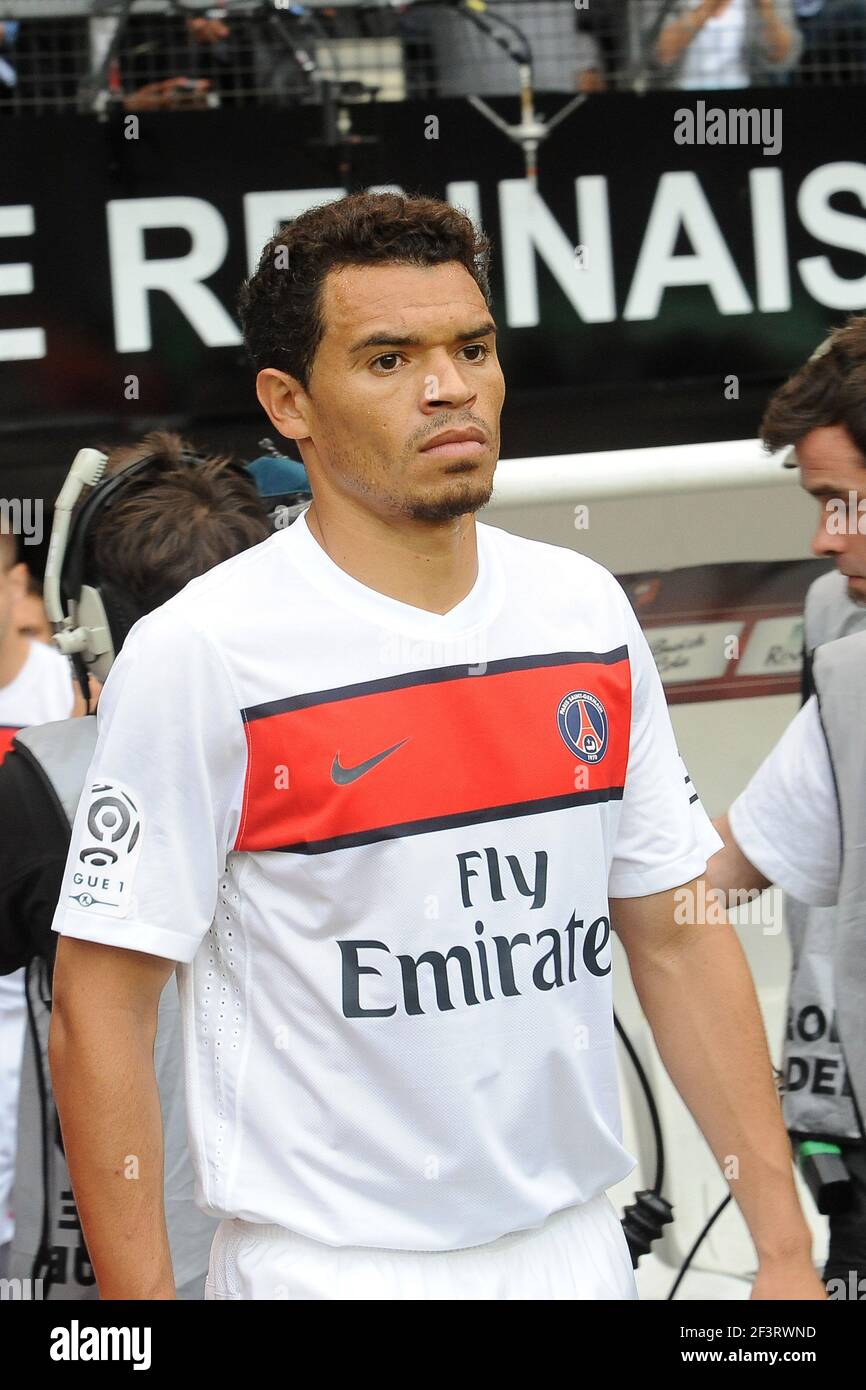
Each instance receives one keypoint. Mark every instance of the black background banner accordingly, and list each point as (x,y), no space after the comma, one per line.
(69,168)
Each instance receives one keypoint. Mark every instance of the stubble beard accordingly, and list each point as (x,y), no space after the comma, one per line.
(453,496)
(465,496)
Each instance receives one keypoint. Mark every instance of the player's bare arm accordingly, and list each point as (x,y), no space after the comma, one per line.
(100,1049)
(730,870)
(697,993)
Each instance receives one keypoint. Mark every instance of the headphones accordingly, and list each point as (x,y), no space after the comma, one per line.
(92,619)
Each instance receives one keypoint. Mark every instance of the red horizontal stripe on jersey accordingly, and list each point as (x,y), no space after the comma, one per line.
(7,734)
(473,743)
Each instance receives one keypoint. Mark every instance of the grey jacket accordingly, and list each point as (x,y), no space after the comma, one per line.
(46,1219)
(840,680)
(813,1106)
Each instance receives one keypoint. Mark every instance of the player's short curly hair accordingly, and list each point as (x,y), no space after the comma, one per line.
(280,305)
(829,389)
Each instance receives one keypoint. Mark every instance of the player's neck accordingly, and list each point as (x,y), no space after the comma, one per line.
(429,567)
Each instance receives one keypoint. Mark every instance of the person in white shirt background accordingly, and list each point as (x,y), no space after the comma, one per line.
(375,1130)
(36,686)
(685,44)
(36,682)
(723,43)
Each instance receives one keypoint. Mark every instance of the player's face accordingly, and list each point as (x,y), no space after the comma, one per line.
(833,470)
(408,352)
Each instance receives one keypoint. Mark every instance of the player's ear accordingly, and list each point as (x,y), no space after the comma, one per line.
(285,402)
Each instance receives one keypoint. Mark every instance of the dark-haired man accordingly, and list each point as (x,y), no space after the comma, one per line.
(799,822)
(400,765)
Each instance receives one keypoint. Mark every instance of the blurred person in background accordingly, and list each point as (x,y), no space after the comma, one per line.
(32,622)
(8,39)
(685,44)
(608,38)
(36,684)
(726,43)
(171,522)
(801,821)
(31,619)
(196,51)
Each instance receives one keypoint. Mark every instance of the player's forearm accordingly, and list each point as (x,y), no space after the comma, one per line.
(108,1102)
(702,1007)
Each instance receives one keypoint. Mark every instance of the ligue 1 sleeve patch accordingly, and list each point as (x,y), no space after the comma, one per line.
(110,846)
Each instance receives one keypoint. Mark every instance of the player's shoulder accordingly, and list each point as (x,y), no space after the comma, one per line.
(551,563)
(237,590)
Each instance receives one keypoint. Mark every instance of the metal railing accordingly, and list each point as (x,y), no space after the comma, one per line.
(79,55)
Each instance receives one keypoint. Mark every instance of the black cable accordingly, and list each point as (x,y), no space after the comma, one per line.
(694,1250)
(42,1260)
(651,1106)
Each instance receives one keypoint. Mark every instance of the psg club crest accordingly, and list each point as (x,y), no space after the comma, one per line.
(582,721)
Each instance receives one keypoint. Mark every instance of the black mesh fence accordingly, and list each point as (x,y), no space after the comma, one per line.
(58,55)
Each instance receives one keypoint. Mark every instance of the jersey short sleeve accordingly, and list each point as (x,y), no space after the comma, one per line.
(786,821)
(665,836)
(162,797)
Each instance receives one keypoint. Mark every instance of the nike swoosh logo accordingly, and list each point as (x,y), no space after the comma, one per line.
(342,775)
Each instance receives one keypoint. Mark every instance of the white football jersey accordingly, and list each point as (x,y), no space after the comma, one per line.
(380,841)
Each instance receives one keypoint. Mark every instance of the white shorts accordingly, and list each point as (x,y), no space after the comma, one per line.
(579,1253)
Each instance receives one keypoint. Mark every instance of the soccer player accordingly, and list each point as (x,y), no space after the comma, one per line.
(380,790)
